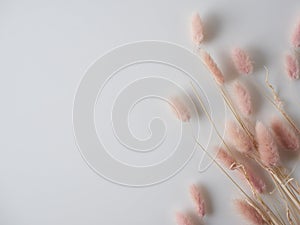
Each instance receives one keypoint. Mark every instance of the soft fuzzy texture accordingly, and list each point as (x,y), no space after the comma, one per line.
(182,219)
(238,138)
(198,200)
(242,99)
(249,125)
(266,146)
(292,66)
(295,38)
(213,67)
(249,213)
(225,158)
(285,135)
(257,183)
(180,109)
(197,29)
(242,61)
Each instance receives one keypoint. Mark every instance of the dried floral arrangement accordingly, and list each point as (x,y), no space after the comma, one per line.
(250,144)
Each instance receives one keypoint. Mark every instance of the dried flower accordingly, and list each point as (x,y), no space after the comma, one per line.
(198,200)
(238,138)
(242,61)
(180,109)
(257,183)
(292,67)
(249,212)
(182,219)
(285,135)
(295,38)
(226,159)
(266,145)
(197,29)
(212,66)
(242,99)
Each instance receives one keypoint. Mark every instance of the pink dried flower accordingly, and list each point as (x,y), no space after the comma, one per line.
(295,38)
(198,200)
(238,138)
(242,99)
(266,145)
(292,67)
(182,219)
(212,66)
(285,135)
(249,212)
(242,61)
(257,183)
(180,109)
(225,158)
(197,29)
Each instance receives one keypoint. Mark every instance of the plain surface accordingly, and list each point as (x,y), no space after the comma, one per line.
(45,48)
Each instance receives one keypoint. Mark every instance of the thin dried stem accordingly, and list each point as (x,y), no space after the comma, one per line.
(278,103)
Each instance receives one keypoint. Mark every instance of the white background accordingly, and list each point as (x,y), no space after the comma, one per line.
(45,48)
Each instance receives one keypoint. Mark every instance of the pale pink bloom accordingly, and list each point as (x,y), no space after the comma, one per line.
(198,200)
(295,38)
(285,135)
(226,159)
(242,61)
(266,145)
(182,219)
(238,138)
(257,183)
(197,29)
(242,99)
(292,67)
(249,212)
(180,109)
(213,67)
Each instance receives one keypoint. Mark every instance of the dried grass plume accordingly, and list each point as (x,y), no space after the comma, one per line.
(249,212)
(227,160)
(238,138)
(295,38)
(198,200)
(257,183)
(182,219)
(285,135)
(242,61)
(213,67)
(242,98)
(292,66)
(180,109)
(197,29)
(266,145)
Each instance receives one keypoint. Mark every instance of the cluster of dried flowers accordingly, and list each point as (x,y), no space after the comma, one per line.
(249,143)
(200,207)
